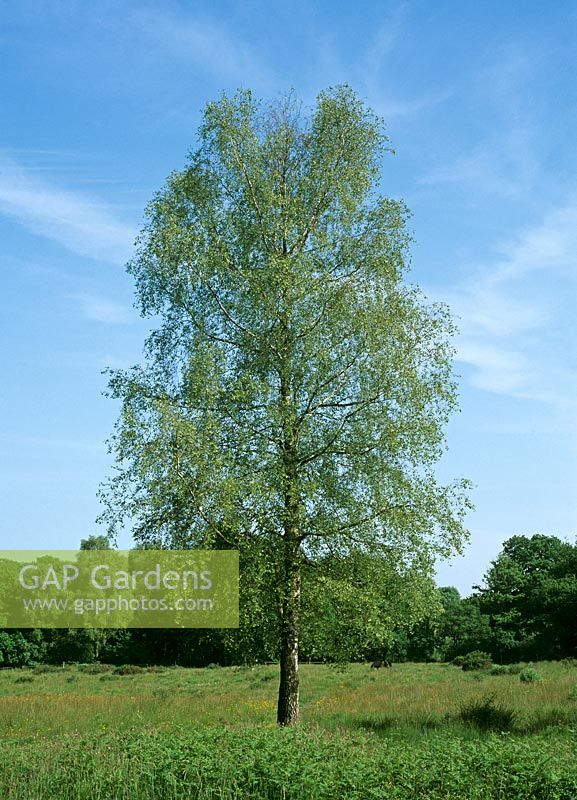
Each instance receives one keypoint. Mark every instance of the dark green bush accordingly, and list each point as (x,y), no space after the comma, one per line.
(20,650)
(477,659)
(529,675)
(94,669)
(487,715)
(506,669)
(128,669)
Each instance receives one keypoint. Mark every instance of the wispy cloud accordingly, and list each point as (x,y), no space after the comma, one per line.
(511,312)
(501,165)
(78,222)
(369,73)
(501,160)
(206,43)
(495,369)
(98,309)
(549,246)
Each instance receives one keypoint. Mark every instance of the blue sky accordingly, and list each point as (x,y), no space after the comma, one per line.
(100,101)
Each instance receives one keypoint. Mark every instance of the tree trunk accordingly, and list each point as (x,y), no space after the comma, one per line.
(288,694)
(290,590)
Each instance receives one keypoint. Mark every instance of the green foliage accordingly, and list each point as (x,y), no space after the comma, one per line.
(460,628)
(95,543)
(487,715)
(352,606)
(529,675)
(20,649)
(474,660)
(128,669)
(530,593)
(295,393)
(94,669)
(298,764)
(506,669)
(527,609)
(43,669)
(80,645)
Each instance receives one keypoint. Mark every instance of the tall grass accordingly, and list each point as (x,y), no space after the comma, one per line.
(184,733)
(304,764)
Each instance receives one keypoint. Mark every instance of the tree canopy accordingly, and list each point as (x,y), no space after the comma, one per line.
(530,596)
(294,393)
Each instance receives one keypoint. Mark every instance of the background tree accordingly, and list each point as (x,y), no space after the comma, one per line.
(530,597)
(21,648)
(94,542)
(83,645)
(295,391)
(357,607)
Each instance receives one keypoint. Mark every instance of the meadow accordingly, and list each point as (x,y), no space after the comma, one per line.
(432,731)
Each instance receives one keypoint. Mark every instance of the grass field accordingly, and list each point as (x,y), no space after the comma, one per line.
(365,735)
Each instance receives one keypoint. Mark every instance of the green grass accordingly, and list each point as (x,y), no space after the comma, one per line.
(78,734)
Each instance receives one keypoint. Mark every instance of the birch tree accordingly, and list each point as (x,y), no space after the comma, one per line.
(294,391)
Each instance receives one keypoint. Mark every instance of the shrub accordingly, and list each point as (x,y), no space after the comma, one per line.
(42,669)
(506,669)
(212,666)
(94,669)
(486,715)
(477,659)
(458,661)
(128,669)
(529,675)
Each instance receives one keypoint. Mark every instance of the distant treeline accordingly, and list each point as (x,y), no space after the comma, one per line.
(526,609)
